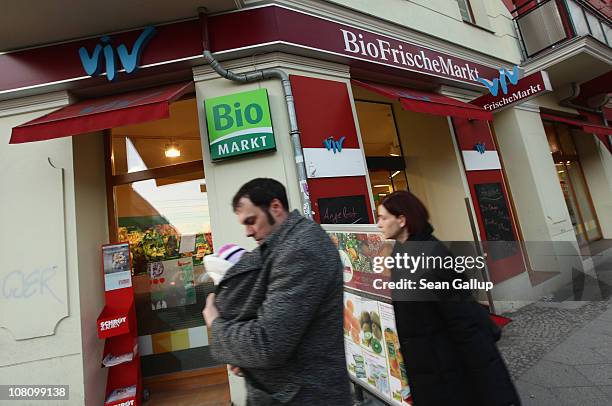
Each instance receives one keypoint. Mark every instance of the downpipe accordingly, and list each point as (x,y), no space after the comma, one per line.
(294,133)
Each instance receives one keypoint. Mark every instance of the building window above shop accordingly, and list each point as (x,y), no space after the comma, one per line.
(466,11)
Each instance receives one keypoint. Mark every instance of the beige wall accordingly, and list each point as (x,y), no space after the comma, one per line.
(73,348)
(55,358)
(92,232)
(596,162)
(551,101)
(540,206)
(224,178)
(531,172)
(433,170)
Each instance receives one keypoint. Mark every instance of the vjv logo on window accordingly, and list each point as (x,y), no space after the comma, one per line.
(332,145)
(505,76)
(129,60)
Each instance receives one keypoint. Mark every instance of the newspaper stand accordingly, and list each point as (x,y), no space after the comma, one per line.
(117,324)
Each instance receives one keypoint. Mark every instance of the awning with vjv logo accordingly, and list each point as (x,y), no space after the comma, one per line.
(102,113)
(427,102)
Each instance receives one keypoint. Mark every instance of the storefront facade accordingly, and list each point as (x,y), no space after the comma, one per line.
(381,104)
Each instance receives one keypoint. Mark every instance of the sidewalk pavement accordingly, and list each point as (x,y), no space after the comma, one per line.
(560,352)
(578,371)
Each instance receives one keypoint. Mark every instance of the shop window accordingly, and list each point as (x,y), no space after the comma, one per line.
(159,143)
(573,184)
(565,139)
(161,208)
(385,160)
(466,11)
(551,136)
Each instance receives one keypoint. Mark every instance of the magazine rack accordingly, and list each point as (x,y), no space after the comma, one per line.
(117,324)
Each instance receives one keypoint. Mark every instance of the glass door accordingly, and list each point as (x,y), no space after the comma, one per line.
(161,208)
(573,183)
(384,157)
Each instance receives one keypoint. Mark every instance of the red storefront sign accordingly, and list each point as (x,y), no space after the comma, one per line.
(272,27)
(293,28)
(527,88)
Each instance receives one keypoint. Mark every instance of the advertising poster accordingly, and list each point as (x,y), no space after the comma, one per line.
(373,355)
(372,349)
(172,283)
(357,252)
(398,380)
(117,269)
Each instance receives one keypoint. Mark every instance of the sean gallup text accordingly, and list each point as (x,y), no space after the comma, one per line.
(424,284)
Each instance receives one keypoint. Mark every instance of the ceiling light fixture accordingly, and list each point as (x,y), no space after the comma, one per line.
(394,150)
(172,150)
(395,174)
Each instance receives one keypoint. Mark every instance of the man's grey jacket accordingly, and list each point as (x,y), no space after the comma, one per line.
(281,319)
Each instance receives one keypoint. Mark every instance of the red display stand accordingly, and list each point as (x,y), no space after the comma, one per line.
(117,324)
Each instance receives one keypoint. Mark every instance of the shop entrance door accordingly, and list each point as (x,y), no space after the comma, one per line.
(573,184)
(381,144)
(160,207)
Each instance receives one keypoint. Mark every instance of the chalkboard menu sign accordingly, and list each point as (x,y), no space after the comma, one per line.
(496,219)
(344,210)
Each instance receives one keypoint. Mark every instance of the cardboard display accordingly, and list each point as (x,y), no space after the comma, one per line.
(117,324)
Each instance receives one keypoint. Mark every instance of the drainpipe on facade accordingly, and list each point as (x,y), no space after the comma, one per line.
(294,133)
(572,91)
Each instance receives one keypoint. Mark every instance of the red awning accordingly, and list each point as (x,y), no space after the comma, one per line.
(601,131)
(427,102)
(584,125)
(100,114)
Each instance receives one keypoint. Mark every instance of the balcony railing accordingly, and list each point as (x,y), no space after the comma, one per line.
(546,24)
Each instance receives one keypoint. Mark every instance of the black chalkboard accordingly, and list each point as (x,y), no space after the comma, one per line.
(496,219)
(343,210)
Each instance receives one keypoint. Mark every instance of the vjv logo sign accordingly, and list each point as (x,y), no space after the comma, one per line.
(480,147)
(504,76)
(332,145)
(130,60)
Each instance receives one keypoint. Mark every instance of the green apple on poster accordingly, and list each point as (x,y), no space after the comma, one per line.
(239,124)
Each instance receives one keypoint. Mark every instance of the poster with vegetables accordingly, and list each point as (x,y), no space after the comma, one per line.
(372,348)
(357,252)
(398,380)
(373,355)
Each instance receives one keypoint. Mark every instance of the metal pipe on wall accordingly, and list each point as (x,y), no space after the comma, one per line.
(294,133)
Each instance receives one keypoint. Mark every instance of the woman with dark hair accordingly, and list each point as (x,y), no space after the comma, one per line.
(446,337)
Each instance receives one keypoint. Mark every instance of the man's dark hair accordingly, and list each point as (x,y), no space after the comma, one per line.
(261,191)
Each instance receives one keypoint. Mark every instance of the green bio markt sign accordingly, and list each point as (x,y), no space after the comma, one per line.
(239,124)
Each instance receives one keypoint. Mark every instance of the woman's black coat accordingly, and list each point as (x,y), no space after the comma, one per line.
(447,340)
